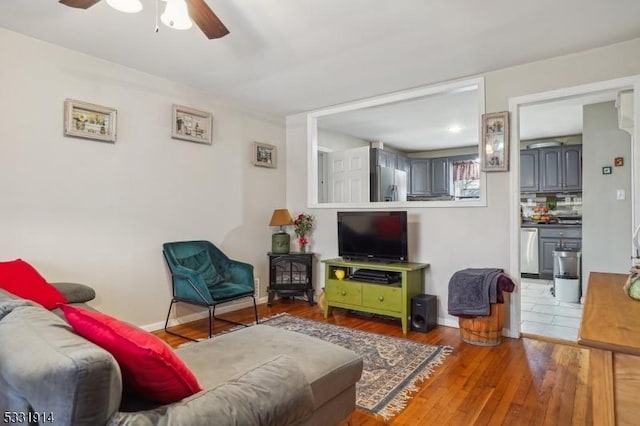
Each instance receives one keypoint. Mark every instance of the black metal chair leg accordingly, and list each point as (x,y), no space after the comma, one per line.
(211,316)
(168,314)
(255,309)
(173,333)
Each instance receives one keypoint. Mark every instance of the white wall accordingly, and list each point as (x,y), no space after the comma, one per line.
(98,213)
(455,238)
(606,229)
(335,141)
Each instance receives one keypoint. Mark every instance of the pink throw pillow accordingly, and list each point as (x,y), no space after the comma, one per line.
(21,279)
(149,366)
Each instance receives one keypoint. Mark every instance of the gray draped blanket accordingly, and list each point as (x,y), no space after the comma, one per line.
(472,290)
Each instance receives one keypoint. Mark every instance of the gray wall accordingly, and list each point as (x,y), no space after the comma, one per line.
(606,229)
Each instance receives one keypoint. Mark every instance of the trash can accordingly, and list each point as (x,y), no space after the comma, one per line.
(566,274)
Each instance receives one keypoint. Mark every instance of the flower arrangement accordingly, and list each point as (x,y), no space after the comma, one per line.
(303,224)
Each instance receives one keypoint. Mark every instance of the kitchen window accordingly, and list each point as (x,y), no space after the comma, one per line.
(466,179)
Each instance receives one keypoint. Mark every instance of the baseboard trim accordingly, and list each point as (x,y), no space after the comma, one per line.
(204,314)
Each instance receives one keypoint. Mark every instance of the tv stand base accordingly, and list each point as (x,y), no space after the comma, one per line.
(391,300)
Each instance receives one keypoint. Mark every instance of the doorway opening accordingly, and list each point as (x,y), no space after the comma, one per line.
(562,139)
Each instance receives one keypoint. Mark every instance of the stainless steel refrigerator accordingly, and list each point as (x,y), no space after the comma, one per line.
(389,184)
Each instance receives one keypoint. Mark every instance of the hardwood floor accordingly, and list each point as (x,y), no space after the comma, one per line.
(519,382)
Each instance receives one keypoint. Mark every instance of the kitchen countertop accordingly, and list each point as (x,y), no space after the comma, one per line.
(550,225)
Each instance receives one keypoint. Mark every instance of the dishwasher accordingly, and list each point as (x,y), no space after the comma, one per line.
(529,251)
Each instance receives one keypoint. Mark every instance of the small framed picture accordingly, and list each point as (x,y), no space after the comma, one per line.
(606,170)
(89,121)
(191,125)
(618,161)
(495,142)
(265,155)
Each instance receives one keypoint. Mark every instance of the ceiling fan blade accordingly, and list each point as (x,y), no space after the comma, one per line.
(203,16)
(79,4)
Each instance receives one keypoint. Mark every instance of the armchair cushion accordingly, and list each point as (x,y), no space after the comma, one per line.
(21,279)
(202,264)
(149,366)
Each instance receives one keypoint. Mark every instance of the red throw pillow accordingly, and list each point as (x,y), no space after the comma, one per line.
(149,366)
(21,279)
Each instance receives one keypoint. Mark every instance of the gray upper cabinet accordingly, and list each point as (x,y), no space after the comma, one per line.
(551,169)
(420,176)
(440,176)
(402,163)
(429,176)
(559,169)
(384,158)
(572,167)
(529,170)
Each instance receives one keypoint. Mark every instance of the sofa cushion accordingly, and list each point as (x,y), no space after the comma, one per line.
(275,393)
(149,366)
(202,264)
(22,279)
(47,368)
(75,292)
(329,369)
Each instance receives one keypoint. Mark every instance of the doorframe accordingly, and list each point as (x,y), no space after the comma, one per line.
(631,82)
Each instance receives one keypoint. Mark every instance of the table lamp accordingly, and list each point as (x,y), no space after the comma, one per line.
(280,241)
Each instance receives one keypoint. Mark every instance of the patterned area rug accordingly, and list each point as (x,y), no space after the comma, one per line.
(392,366)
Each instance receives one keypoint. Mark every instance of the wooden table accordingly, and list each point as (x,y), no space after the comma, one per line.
(611,328)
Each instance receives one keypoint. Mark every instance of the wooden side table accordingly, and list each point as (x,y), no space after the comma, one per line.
(290,275)
(610,327)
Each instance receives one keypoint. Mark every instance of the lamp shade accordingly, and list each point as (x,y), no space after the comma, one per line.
(126,6)
(176,15)
(281,217)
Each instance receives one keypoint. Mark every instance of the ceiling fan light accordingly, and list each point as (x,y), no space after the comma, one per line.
(176,15)
(126,6)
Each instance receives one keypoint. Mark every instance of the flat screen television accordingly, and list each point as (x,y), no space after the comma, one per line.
(373,235)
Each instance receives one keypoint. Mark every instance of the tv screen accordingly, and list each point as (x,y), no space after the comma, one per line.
(377,236)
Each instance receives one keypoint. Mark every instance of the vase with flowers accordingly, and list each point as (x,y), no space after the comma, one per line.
(303,224)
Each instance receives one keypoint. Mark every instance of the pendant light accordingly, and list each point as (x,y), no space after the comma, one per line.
(176,15)
(126,6)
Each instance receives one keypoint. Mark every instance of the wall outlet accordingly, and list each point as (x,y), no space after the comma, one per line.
(620,195)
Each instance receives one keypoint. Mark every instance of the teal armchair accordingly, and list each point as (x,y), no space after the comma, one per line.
(203,275)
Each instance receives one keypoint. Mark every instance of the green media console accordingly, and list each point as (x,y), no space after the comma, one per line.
(393,300)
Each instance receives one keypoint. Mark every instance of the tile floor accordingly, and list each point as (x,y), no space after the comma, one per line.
(542,315)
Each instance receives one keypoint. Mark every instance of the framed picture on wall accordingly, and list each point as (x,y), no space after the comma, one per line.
(89,121)
(191,125)
(495,142)
(265,155)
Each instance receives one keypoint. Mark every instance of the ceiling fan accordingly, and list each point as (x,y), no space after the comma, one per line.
(199,11)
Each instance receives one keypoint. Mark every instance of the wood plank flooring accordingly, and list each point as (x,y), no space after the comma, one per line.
(519,382)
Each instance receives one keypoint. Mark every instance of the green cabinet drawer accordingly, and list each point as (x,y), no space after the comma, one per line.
(344,292)
(388,298)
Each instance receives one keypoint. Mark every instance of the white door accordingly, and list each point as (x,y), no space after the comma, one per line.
(348,175)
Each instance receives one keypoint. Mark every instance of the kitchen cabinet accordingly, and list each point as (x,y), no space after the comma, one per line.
(440,176)
(529,181)
(403,163)
(572,167)
(560,168)
(549,239)
(384,158)
(430,176)
(420,176)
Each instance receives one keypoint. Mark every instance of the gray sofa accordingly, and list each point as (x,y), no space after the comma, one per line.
(258,375)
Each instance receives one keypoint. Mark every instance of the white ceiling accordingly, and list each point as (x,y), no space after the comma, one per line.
(287,56)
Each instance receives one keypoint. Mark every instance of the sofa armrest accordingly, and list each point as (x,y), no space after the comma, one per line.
(274,393)
(240,272)
(75,293)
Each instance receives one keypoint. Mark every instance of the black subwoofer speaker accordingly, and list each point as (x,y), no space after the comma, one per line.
(424,312)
